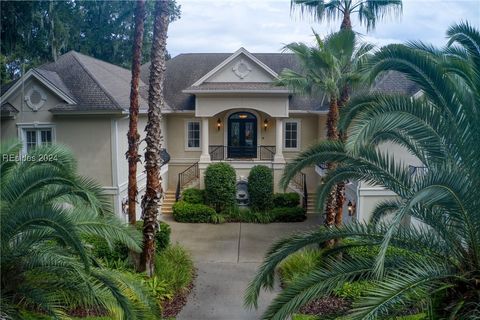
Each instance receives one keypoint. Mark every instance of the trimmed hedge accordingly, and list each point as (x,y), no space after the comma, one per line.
(189,212)
(288,199)
(193,195)
(220,186)
(260,188)
(286,214)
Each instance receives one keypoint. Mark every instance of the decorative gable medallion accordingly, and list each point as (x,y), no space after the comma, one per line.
(241,69)
(35,98)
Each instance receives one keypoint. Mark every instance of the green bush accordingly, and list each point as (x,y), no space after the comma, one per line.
(288,199)
(260,188)
(101,249)
(288,214)
(353,290)
(174,266)
(193,195)
(373,251)
(188,212)
(220,186)
(299,265)
(218,218)
(162,236)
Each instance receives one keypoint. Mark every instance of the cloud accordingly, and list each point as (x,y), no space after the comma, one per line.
(267,25)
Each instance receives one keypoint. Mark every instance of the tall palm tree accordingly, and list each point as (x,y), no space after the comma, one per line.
(327,67)
(133,136)
(442,259)
(156,102)
(46,212)
(369,11)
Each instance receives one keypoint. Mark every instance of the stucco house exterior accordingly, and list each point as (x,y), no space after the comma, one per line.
(220,107)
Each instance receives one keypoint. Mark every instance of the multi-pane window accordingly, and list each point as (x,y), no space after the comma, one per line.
(193,134)
(291,135)
(36,137)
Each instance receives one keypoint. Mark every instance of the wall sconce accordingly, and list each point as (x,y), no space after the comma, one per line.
(351,208)
(125,206)
(265,124)
(219,124)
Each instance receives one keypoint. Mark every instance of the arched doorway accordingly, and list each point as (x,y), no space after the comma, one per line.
(242,135)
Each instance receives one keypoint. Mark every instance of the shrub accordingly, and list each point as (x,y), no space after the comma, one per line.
(193,195)
(188,212)
(372,252)
(353,290)
(288,199)
(217,218)
(220,186)
(299,265)
(288,214)
(100,249)
(174,266)
(260,188)
(162,236)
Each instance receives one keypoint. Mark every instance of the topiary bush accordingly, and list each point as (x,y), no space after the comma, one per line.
(288,199)
(189,212)
(287,214)
(220,186)
(193,195)
(260,188)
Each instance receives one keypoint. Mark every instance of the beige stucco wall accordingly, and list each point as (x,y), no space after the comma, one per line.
(275,105)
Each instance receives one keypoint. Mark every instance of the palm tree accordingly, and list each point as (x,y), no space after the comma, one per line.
(46,212)
(369,11)
(156,103)
(133,136)
(331,64)
(442,259)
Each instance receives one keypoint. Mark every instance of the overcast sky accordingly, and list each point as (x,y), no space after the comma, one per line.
(266,25)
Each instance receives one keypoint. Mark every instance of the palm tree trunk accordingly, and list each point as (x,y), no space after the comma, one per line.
(346,22)
(153,193)
(340,189)
(332,134)
(133,136)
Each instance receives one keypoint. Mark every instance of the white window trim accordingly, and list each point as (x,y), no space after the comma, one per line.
(299,134)
(22,127)
(187,148)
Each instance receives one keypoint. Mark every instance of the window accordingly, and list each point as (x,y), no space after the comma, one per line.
(292,129)
(33,137)
(193,135)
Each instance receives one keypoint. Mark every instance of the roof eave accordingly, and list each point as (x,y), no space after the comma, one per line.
(196,91)
(87,112)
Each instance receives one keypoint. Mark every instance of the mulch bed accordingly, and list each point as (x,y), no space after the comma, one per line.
(171,308)
(327,306)
(83,313)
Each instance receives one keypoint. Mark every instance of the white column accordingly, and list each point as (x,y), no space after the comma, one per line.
(278,158)
(205,156)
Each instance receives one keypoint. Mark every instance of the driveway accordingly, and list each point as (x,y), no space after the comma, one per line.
(227,257)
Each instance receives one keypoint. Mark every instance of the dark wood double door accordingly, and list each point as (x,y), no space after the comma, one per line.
(242,135)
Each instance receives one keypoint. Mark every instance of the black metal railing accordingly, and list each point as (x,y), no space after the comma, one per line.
(416,171)
(221,152)
(186,177)
(299,183)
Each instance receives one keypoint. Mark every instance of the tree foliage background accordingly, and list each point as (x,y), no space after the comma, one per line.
(35,32)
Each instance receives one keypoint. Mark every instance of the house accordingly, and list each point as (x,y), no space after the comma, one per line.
(219,107)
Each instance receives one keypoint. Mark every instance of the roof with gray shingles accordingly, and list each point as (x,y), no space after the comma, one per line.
(185,69)
(95,85)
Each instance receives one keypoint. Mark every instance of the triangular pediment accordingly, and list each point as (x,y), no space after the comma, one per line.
(241,66)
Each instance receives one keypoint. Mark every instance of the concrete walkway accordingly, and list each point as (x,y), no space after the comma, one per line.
(227,257)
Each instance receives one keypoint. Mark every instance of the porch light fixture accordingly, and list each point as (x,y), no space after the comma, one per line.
(265,124)
(243,116)
(219,124)
(351,208)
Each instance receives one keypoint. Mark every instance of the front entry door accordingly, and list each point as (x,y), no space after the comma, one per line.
(242,135)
